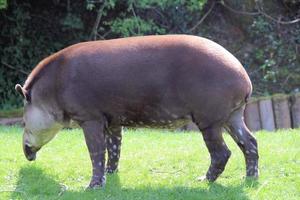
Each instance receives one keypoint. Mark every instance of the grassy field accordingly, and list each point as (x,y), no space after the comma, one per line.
(154,165)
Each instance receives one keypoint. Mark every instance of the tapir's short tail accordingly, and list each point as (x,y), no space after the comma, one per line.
(249,92)
(248,97)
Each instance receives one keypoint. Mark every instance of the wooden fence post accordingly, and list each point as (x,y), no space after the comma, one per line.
(295,110)
(281,111)
(266,114)
(252,117)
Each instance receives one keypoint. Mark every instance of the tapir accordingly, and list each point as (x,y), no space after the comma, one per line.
(147,81)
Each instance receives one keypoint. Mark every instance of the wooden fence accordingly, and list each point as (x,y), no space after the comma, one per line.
(279,111)
(275,112)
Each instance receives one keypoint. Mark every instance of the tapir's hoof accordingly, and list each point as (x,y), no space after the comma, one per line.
(96,184)
(252,173)
(93,186)
(111,171)
(202,178)
(206,178)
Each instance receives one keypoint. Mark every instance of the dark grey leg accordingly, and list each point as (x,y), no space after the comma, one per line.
(219,153)
(95,140)
(244,139)
(113,141)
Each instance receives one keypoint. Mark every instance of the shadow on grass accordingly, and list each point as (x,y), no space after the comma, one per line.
(34,184)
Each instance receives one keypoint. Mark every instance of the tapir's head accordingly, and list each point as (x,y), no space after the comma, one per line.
(40,125)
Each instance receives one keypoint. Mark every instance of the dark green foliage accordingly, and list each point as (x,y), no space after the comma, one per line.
(32,30)
(3,4)
(275,60)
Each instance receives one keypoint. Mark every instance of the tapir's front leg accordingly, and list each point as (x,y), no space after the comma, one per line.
(95,140)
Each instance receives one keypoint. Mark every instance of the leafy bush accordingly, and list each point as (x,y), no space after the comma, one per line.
(32,30)
(3,4)
(275,60)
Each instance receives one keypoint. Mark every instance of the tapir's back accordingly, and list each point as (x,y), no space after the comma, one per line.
(133,75)
(158,59)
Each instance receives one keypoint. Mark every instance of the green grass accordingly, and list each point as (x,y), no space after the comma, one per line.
(154,165)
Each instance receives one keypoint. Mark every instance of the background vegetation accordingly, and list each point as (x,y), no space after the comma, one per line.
(264,35)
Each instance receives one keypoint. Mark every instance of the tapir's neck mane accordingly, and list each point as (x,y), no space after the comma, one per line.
(38,71)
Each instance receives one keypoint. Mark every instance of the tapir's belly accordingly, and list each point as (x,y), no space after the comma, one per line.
(156,118)
(155,122)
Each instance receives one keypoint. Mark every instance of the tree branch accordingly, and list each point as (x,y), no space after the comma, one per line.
(133,12)
(97,22)
(203,18)
(237,11)
(68,6)
(95,1)
(14,68)
(259,12)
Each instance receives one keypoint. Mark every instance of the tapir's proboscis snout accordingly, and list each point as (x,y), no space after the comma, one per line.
(29,153)
(149,81)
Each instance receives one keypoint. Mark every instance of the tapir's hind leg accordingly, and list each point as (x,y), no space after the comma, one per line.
(247,143)
(113,144)
(219,153)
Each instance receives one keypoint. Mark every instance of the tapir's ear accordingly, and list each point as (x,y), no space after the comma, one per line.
(19,89)
(23,92)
